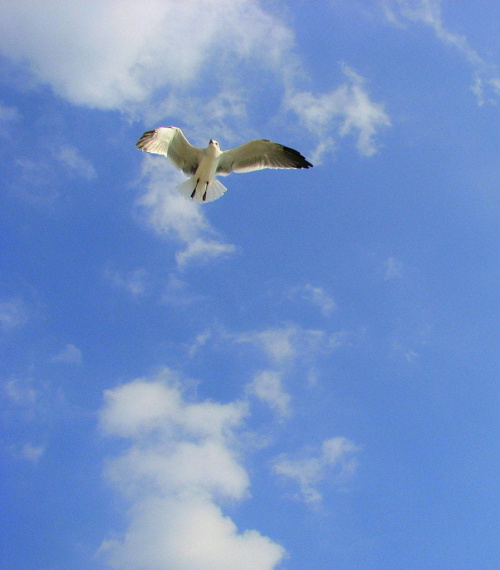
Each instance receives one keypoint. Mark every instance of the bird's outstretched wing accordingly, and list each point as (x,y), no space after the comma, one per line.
(259,154)
(171,142)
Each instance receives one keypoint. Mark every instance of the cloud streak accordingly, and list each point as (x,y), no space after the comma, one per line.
(170,214)
(428,12)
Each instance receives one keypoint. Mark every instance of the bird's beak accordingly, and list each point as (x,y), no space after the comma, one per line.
(211,141)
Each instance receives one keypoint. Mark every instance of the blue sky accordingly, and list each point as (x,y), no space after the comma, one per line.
(302,374)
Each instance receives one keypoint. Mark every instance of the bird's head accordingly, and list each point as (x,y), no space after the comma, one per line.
(214,143)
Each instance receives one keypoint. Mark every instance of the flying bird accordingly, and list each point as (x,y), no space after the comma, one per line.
(204,164)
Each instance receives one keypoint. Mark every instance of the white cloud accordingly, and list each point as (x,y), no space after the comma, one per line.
(289,349)
(393,269)
(8,116)
(203,249)
(267,386)
(152,59)
(75,162)
(284,344)
(69,355)
(316,296)
(189,534)
(181,462)
(32,452)
(21,393)
(222,113)
(134,282)
(39,179)
(336,461)
(277,343)
(346,109)
(428,12)
(13,314)
(117,54)
(177,292)
(200,341)
(169,213)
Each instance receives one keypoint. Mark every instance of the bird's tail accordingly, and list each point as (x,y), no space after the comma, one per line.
(215,190)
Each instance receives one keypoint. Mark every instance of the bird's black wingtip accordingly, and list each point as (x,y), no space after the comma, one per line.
(297,160)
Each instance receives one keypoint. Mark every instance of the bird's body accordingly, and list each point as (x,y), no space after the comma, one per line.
(203,165)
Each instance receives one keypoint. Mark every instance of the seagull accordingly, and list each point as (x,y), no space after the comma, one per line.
(204,164)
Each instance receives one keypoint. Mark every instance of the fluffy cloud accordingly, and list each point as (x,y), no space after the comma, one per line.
(267,386)
(151,59)
(335,461)
(347,109)
(189,534)
(169,213)
(181,462)
(117,54)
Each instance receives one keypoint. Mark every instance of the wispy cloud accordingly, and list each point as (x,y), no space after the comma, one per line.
(177,292)
(203,249)
(13,314)
(288,349)
(267,386)
(135,282)
(180,466)
(347,109)
(170,214)
(335,461)
(8,116)
(429,13)
(32,452)
(393,269)
(38,177)
(69,355)
(285,344)
(200,341)
(22,393)
(75,162)
(315,295)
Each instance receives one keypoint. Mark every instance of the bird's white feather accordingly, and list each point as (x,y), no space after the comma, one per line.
(214,190)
